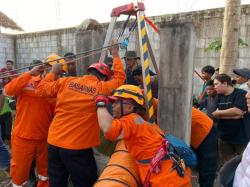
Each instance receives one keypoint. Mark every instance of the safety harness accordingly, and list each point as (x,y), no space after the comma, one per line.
(163,153)
(155,163)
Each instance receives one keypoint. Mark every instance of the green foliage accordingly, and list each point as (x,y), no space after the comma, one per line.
(215,45)
(241,43)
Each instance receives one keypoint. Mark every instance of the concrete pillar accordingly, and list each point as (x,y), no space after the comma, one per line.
(85,41)
(177,52)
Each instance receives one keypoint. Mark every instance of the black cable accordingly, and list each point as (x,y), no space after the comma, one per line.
(126,169)
(124,26)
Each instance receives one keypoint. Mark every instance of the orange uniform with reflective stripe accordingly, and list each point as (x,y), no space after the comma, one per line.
(143,141)
(23,153)
(75,125)
(33,114)
(29,138)
(201,126)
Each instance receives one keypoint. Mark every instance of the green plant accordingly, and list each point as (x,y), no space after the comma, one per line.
(215,45)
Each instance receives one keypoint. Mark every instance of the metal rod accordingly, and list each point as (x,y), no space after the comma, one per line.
(68,62)
(108,37)
(82,53)
(199,75)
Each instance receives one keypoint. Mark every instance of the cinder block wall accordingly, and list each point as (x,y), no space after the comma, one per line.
(7,46)
(39,45)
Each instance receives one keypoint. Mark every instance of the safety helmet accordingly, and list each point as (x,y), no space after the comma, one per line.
(101,68)
(53,59)
(128,91)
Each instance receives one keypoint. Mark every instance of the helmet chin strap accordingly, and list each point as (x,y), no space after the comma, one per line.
(121,104)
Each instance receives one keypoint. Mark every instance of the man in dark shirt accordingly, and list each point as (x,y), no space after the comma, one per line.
(232,117)
(208,104)
(70,58)
(137,74)
(131,64)
(206,74)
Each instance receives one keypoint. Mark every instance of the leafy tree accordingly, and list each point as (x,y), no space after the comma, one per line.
(215,45)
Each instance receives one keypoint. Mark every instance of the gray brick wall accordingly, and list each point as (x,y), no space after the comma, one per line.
(6,48)
(39,45)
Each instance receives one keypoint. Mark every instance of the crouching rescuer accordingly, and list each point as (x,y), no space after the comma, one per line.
(144,141)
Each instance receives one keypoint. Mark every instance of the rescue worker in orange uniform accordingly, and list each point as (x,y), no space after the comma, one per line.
(205,144)
(142,139)
(74,129)
(29,138)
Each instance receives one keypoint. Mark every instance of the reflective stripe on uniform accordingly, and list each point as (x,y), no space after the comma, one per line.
(15,185)
(139,121)
(42,178)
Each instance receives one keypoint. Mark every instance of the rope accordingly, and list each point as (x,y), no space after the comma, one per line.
(152,24)
(124,27)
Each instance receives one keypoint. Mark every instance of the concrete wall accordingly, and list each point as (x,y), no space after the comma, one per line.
(7,48)
(208,26)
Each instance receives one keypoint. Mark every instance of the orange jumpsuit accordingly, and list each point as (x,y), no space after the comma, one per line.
(29,137)
(75,125)
(142,141)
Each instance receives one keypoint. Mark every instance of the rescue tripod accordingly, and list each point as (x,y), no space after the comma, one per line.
(145,46)
(146,53)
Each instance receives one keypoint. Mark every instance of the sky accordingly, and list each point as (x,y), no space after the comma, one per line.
(38,15)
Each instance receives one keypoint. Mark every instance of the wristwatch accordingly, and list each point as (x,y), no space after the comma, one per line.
(101,104)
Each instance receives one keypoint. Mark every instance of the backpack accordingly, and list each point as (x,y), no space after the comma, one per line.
(179,147)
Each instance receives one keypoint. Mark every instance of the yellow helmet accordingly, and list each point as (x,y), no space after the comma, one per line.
(130,92)
(52,60)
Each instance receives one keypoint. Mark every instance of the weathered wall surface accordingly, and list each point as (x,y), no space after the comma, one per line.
(175,94)
(7,48)
(208,25)
(40,45)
